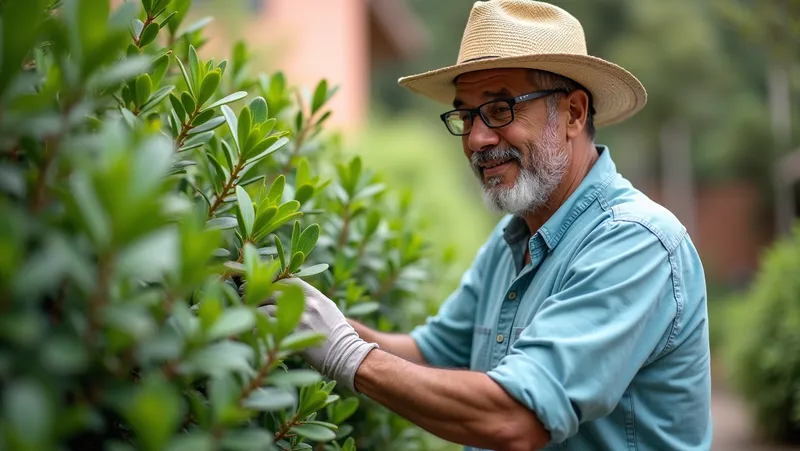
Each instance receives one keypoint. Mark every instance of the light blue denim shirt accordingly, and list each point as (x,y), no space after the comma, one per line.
(604,335)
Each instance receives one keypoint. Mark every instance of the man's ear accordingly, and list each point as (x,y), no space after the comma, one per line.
(578,109)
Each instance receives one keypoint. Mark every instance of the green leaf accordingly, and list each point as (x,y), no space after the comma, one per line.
(233,125)
(208,126)
(21,25)
(281,254)
(196,26)
(243,128)
(308,239)
(148,7)
(186,77)
(195,441)
(230,155)
(222,223)
(303,174)
(369,191)
(320,96)
(149,34)
(181,7)
(275,192)
(294,378)
(302,340)
(295,237)
(233,321)
(363,308)
(203,117)
(27,412)
(344,409)
(247,440)
(178,107)
(314,432)
(312,270)
(88,203)
(269,399)
(154,412)
(291,303)
(349,444)
(160,66)
(246,209)
(198,139)
(122,70)
(219,359)
(209,86)
(156,98)
(220,174)
(274,147)
(304,193)
(297,261)
(144,86)
(260,146)
(167,19)
(259,108)
(228,99)
(194,67)
(188,103)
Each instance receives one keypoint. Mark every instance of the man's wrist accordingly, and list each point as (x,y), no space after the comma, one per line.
(346,353)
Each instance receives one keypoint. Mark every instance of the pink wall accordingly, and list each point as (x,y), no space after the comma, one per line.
(321,39)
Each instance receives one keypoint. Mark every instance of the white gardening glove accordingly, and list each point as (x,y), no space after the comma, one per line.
(342,352)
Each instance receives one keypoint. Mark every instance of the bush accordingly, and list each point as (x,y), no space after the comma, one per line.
(764,342)
(151,201)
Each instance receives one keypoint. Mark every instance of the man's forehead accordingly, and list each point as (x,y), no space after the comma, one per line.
(490,83)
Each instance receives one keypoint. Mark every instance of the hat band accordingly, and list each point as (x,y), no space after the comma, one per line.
(478,59)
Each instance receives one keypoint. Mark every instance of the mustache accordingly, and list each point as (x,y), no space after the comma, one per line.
(496,153)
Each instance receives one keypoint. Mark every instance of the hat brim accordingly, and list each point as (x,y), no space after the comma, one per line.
(616,93)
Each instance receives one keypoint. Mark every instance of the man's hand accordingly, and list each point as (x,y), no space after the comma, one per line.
(343,351)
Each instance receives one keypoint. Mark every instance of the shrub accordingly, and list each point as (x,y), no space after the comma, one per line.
(764,342)
(151,200)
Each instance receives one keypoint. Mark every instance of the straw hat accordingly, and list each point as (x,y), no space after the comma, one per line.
(535,35)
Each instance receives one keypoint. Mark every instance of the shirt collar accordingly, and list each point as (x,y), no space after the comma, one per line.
(592,185)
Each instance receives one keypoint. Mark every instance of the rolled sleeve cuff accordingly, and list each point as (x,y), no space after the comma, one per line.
(535,387)
(429,347)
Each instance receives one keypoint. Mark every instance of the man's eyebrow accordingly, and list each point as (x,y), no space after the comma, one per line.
(488,94)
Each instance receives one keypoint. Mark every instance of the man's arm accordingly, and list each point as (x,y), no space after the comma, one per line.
(464,407)
(401,345)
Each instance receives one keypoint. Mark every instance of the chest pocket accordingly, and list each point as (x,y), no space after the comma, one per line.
(481,346)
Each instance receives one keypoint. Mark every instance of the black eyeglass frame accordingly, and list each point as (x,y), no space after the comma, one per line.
(511,101)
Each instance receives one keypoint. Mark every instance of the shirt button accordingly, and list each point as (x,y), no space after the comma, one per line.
(512,295)
(500,338)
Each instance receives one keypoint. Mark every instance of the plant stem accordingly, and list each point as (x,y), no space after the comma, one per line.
(225,189)
(285,427)
(386,285)
(100,296)
(37,200)
(148,21)
(262,373)
(345,227)
(186,127)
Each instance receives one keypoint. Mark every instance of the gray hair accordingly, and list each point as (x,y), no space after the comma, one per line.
(548,80)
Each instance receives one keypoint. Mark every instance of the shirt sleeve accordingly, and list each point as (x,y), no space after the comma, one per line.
(615,310)
(445,340)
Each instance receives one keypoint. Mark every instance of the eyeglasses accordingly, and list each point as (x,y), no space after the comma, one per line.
(495,114)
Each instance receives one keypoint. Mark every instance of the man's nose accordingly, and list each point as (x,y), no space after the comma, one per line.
(481,137)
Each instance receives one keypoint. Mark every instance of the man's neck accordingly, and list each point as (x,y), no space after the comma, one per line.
(582,160)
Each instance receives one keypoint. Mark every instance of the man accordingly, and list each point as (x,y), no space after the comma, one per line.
(582,323)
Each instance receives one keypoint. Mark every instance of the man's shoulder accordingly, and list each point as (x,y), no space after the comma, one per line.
(629,205)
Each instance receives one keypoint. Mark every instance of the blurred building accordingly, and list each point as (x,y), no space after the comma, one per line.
(339,40)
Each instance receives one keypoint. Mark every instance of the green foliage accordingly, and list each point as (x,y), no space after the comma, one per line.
(148,211)
(763,347)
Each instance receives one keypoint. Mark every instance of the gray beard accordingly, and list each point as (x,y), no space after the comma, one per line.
(534,185)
